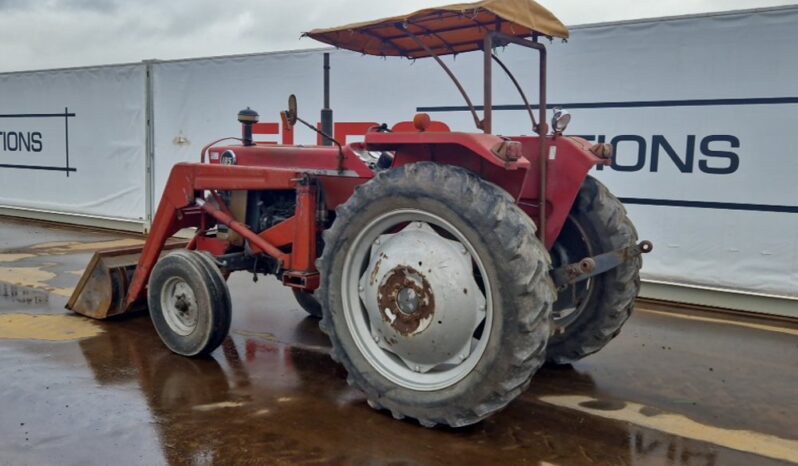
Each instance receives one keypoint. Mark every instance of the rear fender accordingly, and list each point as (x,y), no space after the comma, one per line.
(569,162)
(468,150)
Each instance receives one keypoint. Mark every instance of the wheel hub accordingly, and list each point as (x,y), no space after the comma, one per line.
(421,297)
(179,306)
(407,299)
(181,303)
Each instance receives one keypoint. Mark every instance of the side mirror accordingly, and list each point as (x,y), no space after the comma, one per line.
(290,116)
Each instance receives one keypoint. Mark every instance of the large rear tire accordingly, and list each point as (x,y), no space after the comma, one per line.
(590,313)
(189,303)
(436,294)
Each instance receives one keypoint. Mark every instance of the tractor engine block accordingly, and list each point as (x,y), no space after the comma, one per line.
(268,208)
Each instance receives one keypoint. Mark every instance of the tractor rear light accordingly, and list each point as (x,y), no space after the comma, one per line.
(421,121)
(509,151)
(560,120)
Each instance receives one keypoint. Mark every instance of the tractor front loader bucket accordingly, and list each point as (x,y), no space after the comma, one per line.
(102,289)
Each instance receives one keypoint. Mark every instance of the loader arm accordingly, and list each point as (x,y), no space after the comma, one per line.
(115,280)
(186,180)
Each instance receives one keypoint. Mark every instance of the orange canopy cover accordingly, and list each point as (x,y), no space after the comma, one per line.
(445,30)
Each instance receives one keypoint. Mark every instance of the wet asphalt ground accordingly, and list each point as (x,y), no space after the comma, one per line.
(677,387)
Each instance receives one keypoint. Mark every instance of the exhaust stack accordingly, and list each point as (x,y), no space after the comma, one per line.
(326,112)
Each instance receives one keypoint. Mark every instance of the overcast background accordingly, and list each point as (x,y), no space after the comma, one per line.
(36,34)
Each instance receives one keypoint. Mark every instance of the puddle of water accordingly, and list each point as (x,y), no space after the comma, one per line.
(270,337)
(13,257)
(220,405)
(54,244)
(33,277)
(22,295)
(66,247)
(675,424)
(64,327)
(604,405)
(263,335)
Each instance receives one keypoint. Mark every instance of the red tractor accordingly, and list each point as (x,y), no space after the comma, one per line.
(446,267)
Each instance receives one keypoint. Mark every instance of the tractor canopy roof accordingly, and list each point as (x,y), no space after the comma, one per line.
(444,30)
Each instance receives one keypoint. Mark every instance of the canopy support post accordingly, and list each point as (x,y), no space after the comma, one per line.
(519,89)
(541,128)
(487,108)
(448,71)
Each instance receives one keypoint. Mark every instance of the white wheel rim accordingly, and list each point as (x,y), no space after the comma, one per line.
(179,306)
(423,326)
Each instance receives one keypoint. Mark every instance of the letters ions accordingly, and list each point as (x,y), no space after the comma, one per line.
(708,154)
(18,141)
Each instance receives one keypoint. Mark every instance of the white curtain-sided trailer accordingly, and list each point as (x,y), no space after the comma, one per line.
(700,110)
(72,144)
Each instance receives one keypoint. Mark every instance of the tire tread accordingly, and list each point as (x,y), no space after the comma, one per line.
(525,257)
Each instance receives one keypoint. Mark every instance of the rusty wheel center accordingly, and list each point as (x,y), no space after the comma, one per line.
(417,299)
(405,300)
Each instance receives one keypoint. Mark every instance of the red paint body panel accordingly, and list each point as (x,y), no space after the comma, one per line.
(568,166)
(430,144)
(186,182)
(282,167)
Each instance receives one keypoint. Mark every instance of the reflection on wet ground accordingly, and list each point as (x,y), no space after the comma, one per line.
(677,389)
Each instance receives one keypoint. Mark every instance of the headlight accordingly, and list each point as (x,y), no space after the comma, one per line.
(228,158)
(560,120)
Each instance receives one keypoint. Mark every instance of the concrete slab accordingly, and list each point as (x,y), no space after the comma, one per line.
(675,387)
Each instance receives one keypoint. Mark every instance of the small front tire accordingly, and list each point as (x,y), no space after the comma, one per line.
(189,303)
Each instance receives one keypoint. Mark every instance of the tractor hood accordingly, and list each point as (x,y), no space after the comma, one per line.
(449,29)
